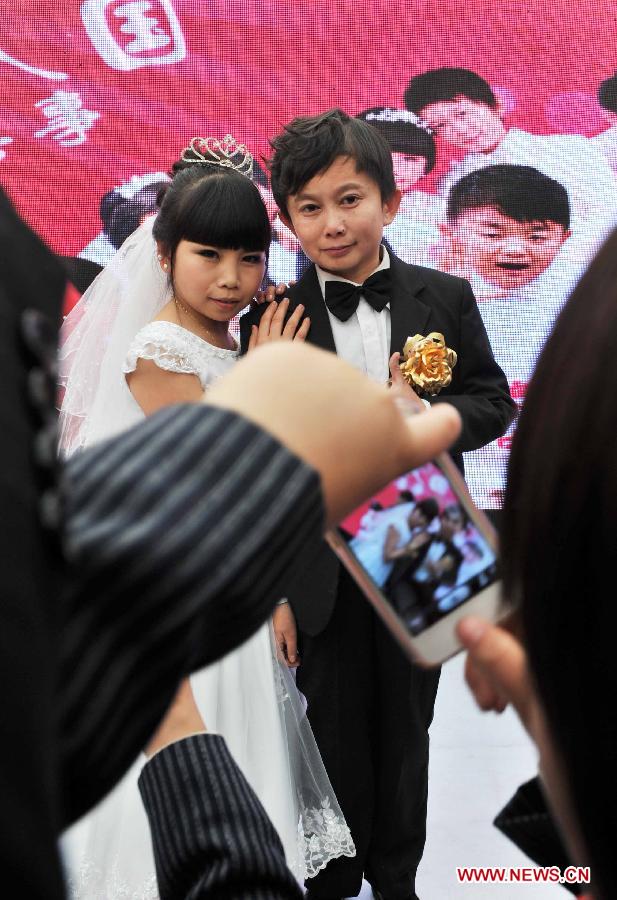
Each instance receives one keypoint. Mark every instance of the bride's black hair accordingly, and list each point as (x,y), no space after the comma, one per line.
(212,205)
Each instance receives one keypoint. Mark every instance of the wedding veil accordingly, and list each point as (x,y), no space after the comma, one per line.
(95,338)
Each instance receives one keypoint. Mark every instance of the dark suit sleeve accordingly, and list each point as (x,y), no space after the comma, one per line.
(211,836)
(252,317)
(245,331)
(179,534)
(479,389)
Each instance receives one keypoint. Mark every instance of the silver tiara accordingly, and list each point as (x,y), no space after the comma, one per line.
(398,115)
(212,152)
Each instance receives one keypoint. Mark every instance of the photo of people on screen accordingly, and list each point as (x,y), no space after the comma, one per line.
(419,547)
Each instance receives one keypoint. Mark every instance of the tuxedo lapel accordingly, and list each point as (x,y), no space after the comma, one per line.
(409,315)
(308,292)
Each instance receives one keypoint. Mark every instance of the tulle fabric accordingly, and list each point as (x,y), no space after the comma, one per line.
(95,338)
(250,696)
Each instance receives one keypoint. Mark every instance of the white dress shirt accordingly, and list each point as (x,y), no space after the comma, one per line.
(364,339)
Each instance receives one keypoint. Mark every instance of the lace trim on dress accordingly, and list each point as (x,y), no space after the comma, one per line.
(323,834)
(164,357)
(173,348)
(85,884)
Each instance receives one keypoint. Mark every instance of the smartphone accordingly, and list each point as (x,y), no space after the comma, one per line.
(425,557)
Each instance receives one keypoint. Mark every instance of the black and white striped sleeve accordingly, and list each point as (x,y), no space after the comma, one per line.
(178,534)
(211,836)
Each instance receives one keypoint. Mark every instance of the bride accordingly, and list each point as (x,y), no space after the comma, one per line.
(152,330)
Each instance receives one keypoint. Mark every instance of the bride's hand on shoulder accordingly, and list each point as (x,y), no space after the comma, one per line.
(274,326)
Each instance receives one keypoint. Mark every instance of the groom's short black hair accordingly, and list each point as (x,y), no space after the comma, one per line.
(428,507)
(310,144)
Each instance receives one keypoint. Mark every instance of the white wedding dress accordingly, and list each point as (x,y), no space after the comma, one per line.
(249,697)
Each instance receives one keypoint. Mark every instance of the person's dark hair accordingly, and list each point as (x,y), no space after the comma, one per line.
(122,215)
(520,192)
(559,543)
(607,94)
(446,83)
(309,145)
(212,205)
(428,507)
(402,137)
(453,510)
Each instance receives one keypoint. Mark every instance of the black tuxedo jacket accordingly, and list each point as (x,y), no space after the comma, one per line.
(422,300)
(120,574)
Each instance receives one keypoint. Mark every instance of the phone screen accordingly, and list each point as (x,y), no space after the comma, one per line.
(418,544)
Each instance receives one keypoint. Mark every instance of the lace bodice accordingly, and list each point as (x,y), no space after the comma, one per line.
(175,349)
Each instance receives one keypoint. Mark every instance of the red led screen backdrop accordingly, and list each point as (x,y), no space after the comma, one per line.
(98,98)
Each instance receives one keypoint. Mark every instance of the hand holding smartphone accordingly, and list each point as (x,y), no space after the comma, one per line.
(425,557)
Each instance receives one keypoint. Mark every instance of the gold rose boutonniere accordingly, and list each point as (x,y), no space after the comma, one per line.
(427,363)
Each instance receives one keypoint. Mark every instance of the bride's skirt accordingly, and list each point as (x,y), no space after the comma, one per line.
(251,699)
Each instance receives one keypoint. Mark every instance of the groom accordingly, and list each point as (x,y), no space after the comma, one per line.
(370,709)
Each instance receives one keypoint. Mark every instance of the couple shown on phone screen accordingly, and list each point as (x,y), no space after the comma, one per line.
(421,549)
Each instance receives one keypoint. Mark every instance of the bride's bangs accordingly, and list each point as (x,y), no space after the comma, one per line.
(226,211)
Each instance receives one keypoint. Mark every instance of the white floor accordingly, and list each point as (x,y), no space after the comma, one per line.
(477,762)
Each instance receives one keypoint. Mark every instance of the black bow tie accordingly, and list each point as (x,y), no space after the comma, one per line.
(342,298)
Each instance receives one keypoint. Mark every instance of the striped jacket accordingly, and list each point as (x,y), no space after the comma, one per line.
(211,835)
